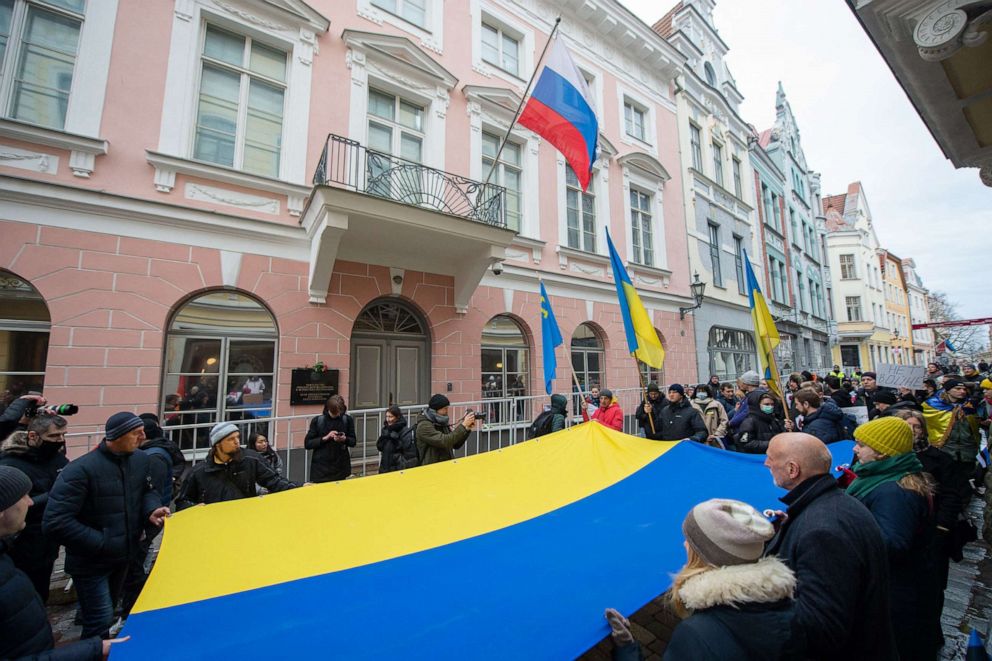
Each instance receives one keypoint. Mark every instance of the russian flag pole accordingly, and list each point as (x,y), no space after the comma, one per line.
(520,106)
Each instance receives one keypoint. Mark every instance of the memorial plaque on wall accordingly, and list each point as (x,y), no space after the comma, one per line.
(311,387)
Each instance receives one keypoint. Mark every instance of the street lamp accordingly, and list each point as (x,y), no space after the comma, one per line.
(697,288)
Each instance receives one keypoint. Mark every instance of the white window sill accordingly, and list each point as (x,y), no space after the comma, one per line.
(83,150)
(167,167)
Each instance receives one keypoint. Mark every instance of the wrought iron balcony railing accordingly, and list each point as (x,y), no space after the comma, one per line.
(348,164)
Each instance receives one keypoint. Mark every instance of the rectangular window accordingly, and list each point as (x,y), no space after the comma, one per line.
(414,11)
(738,184)
(773,277)
(695,142)
(640,224)
(853,308)
(500,49)
(46,36)
(507,174)
(777,212)
(848,270)
(800,285)
(793,226)
(718,163)
(581,213)
(739,264)
(633,119)
(395,128)
(240,108)
(715,255)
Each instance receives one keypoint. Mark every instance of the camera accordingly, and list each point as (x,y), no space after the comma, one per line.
(34,409)
(479,415)
(498,268)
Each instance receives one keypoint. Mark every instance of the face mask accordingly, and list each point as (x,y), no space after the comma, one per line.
(48,450)
(767,409)
(701,395)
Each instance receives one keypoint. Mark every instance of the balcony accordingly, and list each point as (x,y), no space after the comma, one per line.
(375,208)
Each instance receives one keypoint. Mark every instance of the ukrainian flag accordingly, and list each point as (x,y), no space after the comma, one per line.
(642,339)
(765,333)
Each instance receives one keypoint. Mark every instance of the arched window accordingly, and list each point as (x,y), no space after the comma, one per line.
(710,74)
(731,352)
(24,330)
(220,363)
(588,357)
(505,362)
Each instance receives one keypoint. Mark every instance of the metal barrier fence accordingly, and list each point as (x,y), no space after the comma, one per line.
(506,423)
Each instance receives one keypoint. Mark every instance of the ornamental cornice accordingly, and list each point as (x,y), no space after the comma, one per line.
(945,29)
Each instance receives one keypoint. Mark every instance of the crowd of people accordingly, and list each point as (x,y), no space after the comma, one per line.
(852,567)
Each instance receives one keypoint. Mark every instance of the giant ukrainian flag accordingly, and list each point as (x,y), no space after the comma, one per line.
(512,553)
(765,333)
(642,338)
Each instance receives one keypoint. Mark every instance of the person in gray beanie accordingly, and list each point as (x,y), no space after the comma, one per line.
(736,604)
(97,509)
(228,473)
(750,384)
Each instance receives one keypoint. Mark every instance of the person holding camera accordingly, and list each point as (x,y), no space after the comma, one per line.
(436,440)
(330,435)
(16,416)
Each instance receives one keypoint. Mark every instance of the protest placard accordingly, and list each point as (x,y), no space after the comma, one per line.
(900,376)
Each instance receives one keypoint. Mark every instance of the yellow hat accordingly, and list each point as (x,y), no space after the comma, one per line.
(889,435)
(985,384)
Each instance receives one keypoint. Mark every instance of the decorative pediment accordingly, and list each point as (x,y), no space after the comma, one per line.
(604,148)
(294,11)
(646,163)
(499,100)
(400,52)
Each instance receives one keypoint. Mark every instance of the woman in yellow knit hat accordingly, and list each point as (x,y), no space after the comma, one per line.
(892,485)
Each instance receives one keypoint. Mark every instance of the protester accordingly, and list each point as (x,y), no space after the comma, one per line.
(890,482)
(883,399)
(934,371)
(736,604)
(24,629)
(396,443)
(760,426)
(330,435)
(97,509)
(837,373)
(821,417)
(714,415)
(749,383)
(835,547)
(260,445)
(228,473)
(436,440)
(728,399)
(559,407)
(39,453)
(868,391)
(680,420)
(168,462)
(14,417)
(714,383)
(608,413)
(953,426)
(648,414)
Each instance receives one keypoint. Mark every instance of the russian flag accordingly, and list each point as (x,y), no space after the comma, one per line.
(560,111)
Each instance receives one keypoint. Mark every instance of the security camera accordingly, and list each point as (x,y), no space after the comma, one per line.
(498,268)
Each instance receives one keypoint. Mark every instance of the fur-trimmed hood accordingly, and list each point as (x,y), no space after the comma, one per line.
(765,581)
(16,443)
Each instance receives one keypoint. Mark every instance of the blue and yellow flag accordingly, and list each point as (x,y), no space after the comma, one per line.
(765,333)
(551,338)
(642,338)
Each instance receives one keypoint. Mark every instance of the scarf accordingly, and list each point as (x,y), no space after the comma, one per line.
(434,417)
(877,473)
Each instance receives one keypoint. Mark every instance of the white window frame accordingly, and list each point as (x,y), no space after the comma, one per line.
(855,305)
(717,153)
(497,177)
(649,141)
(394,125)
(483,11)
(600,182)
(737,174)
(430,35)
(696,148)
(654,186)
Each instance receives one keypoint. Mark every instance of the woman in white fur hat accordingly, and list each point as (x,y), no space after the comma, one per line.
(736,604)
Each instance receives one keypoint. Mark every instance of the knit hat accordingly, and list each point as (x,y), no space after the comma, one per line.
(121,423)
(13,486)
(886,397)
(606,392)
(889,435)
(986,384)
(951,382)
(677,387)
(653,387)
(727,532)
(751,378)
(220,431)
(438,402)
(870,375)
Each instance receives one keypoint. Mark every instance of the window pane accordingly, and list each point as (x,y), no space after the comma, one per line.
(268,61)
(253,392)
(192,355)
(411,116)
(217,118)
(388,5)
(490,144)
(380,137)
(382,105)
(263,130)
(410,147)
(23,351)
(224,311)
(224,46)
(511,154)
(492,361)
(490,44)
(78,6)
(251,357)
(6,9)
(511,58)
(414,11)
(44,77)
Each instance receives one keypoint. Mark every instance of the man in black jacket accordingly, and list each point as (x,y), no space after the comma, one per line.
(97,509)
(680,420)
(13,417)
(651,408)
(835,547)
(228,473)
(330,435)
(24,629)
(38,453)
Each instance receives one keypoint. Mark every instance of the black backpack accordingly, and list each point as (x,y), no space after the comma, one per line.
(541,425)
(403,451)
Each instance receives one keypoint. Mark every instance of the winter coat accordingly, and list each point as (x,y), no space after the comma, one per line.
(271,459)
(679,420)
(98,508)
(330,460)
(611,416)
(901,405)
(32,548)
(953,490)
(397,447)
(714,417)
(11,417)
(757,431)
(642,417)
(841,398)
(738,612)
(438,442)
(729,405)
(167,464)
(826,422)
(210,482)
(835,547)
(559,404)
(24,629)
(907,528)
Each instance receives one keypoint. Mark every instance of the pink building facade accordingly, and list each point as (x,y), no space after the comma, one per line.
(164,248)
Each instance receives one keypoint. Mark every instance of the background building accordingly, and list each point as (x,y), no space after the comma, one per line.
(897,315)
(919,313)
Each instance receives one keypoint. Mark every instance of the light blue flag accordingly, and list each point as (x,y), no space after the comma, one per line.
(551,338)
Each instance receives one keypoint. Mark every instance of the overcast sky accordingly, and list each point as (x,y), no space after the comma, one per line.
(857,124)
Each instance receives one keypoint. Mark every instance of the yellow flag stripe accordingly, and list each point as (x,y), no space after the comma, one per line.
(649,350)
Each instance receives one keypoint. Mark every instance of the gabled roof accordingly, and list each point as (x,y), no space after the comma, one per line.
(835,202)
(834,221)
(664,24)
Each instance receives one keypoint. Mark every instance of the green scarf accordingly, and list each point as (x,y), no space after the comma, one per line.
(879,472)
